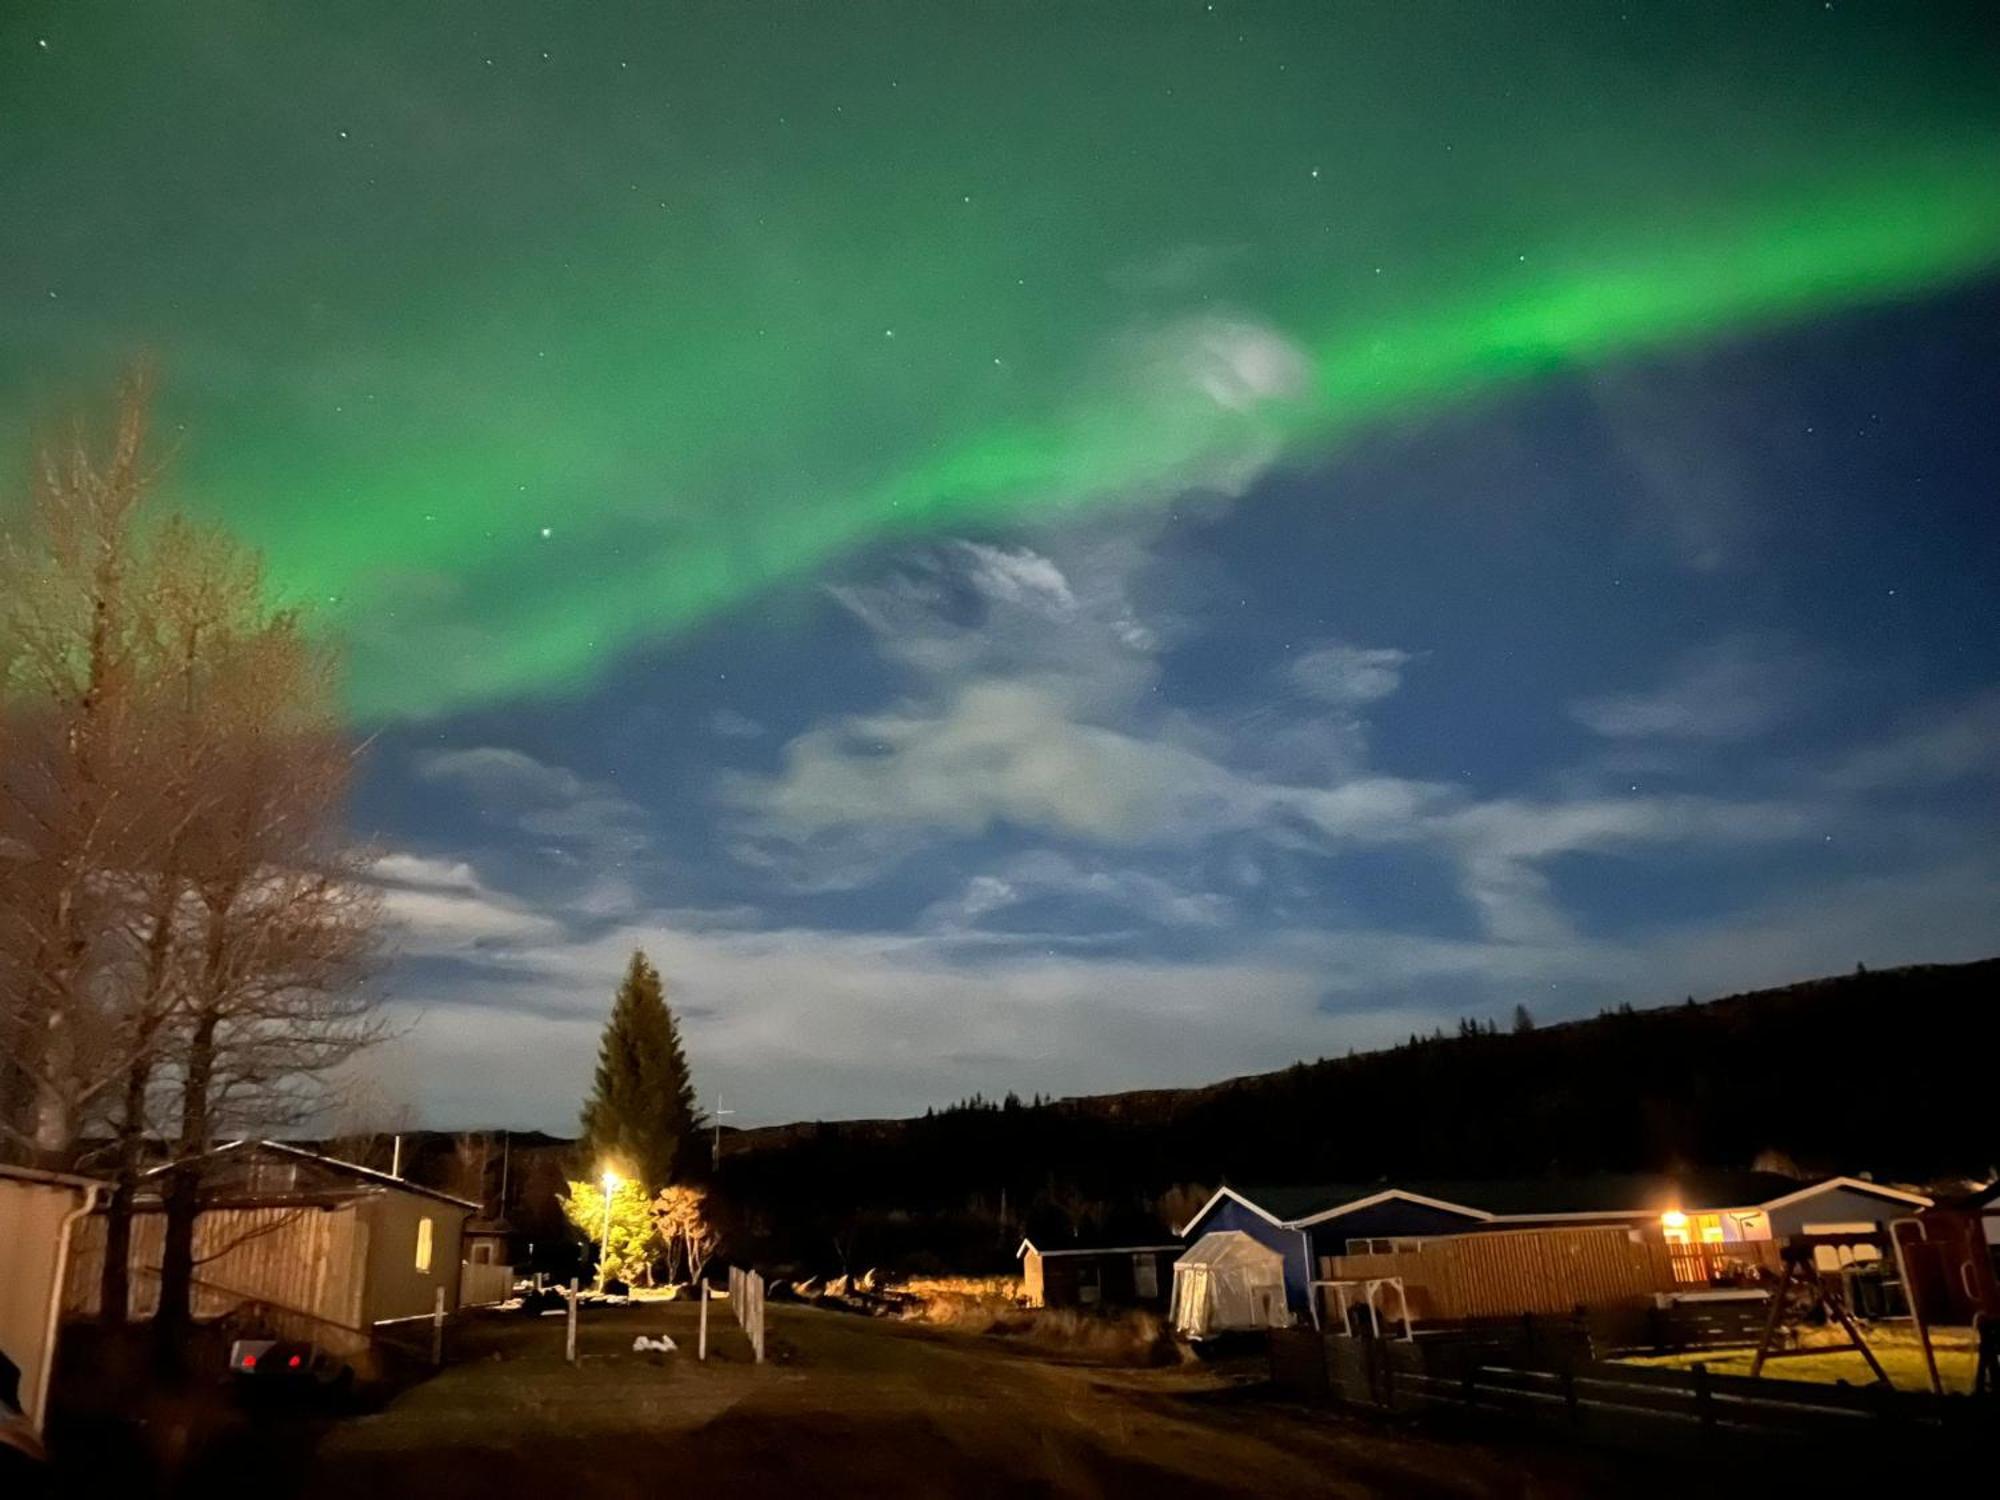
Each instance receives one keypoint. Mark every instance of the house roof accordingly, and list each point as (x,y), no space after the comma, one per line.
(1095,1244)
(1599,1195)
(330,1164)
(50,1179)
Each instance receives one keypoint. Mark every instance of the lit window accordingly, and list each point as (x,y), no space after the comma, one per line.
(424,1244)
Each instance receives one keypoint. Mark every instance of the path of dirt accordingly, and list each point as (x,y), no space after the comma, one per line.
(853,1407)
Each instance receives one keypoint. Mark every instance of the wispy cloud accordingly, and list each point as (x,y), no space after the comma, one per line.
(1735,689)
(1952,744)
(728,724)
(580,820)
(1348,675)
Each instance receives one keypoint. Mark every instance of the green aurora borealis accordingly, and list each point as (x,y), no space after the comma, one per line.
(712,294)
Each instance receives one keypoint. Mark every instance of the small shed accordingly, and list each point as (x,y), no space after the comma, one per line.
(1228,1281)
(487,1275)
(1072,1272)
(39,1213)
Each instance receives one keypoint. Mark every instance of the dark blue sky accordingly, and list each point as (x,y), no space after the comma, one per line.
(1678,676)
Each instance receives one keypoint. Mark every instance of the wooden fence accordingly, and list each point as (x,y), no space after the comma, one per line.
(1510,1273)
(1552,1380)
(746,1300)
(481,1284)
(298,1270)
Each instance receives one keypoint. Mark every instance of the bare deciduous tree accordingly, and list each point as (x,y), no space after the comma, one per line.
(182,925)
(73,814)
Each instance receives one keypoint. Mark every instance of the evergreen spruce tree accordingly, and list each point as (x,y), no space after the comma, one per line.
(640,1117)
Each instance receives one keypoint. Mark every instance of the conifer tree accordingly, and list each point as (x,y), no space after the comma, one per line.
(641,1110)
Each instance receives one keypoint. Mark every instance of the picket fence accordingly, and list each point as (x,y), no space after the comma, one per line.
(746,1300)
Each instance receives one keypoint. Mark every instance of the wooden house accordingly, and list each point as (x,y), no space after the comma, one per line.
(318,1248)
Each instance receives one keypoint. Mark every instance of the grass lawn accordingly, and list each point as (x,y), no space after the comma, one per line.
(1903,1359)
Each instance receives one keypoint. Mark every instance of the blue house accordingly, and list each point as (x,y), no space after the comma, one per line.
(1304,1223)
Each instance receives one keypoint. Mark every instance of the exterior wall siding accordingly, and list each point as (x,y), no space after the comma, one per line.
(396,1288)
(31,1220)
(1839,1206)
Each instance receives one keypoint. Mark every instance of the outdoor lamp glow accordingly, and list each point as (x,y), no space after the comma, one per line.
(1673,1218)
(611,1181)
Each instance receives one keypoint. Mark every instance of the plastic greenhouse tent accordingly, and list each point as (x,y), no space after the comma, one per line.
(1226,1281)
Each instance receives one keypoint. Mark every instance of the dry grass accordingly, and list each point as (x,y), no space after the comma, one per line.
(991,1306)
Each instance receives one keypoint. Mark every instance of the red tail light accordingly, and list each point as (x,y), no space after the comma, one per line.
(293,1362)
(249,1361)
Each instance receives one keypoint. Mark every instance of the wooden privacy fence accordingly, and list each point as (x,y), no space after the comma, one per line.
(480,1284)
(746,1300)
(299,1270)
(1509,1273)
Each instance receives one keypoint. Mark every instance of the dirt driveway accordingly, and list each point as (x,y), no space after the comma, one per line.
(849,1406)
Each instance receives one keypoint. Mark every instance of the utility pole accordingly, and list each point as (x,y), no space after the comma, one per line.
(715,1158)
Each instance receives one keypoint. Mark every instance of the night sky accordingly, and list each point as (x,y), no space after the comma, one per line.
(1063,547)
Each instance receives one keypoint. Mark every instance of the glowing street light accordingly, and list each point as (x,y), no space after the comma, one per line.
(611,1180)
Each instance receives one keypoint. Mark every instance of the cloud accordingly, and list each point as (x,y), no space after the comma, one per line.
(1020,576)
(440,908)
(998,752)
(1042,880)
(1502,845)
(1946,746)
(728,724)
(1737,689)
(798,1022)
(1348,675)
(1237,363)
(584,821)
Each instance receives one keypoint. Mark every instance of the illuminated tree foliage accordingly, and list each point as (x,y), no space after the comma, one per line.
(641,1109)
(680,1214)
(631,1245)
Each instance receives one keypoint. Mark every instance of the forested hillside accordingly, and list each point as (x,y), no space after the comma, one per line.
(1889,1072)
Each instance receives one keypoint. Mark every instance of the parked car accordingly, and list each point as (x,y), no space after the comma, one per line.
(273,1366)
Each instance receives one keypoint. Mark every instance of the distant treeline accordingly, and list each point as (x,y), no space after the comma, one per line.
(1890,1072)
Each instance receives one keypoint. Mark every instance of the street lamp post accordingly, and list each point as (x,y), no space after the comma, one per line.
(604,1239)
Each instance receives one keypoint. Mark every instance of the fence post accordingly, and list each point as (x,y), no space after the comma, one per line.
(1704,1397)
(569,1353)
(704,1321)
(437,1329)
